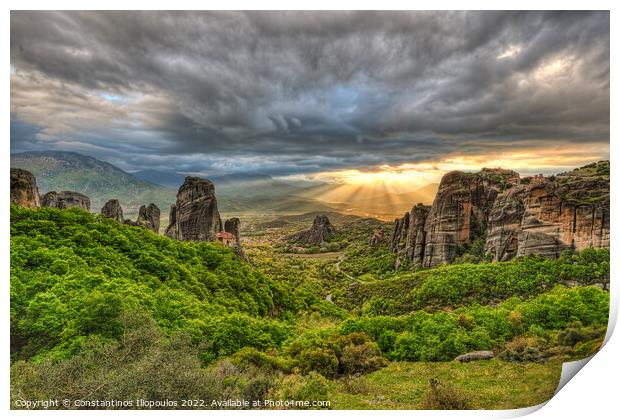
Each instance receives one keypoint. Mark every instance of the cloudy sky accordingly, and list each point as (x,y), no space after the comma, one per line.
(336,94)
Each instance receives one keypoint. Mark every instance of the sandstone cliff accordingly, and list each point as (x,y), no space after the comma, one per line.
(570,210)
(65,200)
(460,212)
(512,216)
(195,216)
(24,191)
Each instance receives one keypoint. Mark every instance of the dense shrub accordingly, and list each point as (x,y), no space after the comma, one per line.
(441,336)
(321,360)
(310,388)
(442,395)
(250,356)
(333,354)
(577,333)
(520,349)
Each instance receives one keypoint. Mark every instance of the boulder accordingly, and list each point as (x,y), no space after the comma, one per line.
(24,191)
(113,210)
(196,217)
(65,200)
(475,355)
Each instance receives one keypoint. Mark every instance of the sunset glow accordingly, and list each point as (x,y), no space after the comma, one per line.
(411,176)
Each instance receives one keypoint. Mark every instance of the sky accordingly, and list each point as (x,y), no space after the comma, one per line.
(353,97)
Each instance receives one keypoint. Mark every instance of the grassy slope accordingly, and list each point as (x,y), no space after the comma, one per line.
(489,384)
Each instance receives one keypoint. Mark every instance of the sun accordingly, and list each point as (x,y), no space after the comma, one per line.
(356,177)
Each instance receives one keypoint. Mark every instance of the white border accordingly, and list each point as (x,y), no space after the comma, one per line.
(592,395)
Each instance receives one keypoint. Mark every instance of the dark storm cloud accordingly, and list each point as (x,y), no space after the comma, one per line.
(289,92)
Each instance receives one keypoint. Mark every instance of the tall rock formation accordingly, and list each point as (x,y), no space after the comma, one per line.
(195,216)
(415,242)
(65,200)
(460,212)
(171,230)
(321,231)
(531,216)
(24,191)
(232,226)
(148,217)
(113,210)
(502,241)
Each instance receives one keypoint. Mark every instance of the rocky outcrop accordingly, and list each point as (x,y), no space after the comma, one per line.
(531,216)
(409,237)
(399,233)
(24,191)
(195,216)
(502,241)
(320,232)
(416,236)
(113,210)
(548,215)
(460,212)
(565,215)
(171,230)
(148,217)
(232,226)
(65,200)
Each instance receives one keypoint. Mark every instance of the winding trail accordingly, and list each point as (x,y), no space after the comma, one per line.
(344,273)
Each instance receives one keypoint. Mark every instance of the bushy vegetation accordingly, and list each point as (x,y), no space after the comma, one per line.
(72,274)
(333,355)
(144,364)
(441,336)
(96,304)
(444,396)
(484,283)
(362,259)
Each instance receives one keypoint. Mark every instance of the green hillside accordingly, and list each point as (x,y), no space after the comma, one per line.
(95,304)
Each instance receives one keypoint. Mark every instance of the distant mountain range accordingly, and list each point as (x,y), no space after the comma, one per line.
(236,193)
(99,180)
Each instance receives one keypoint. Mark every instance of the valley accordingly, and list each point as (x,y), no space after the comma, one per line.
(318,306)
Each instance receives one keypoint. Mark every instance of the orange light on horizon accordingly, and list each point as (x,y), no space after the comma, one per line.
(410,176)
